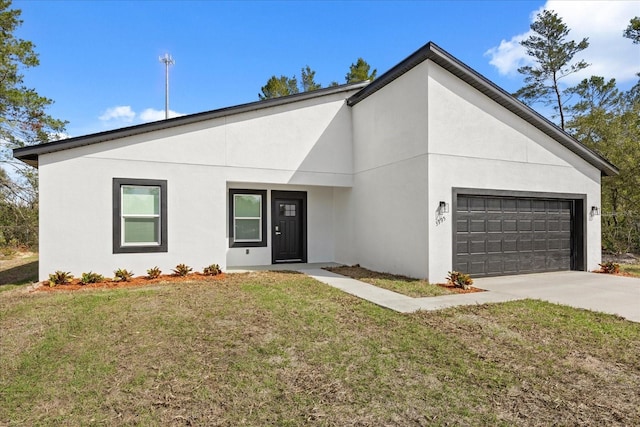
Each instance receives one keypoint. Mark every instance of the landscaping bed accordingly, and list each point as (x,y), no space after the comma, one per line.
(76,284)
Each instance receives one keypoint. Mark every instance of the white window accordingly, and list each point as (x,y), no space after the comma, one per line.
(247,218)
(140,215)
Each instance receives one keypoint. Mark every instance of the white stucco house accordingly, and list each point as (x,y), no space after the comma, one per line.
(429,168)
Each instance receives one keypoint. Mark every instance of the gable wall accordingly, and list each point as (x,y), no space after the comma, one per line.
(475,143)
(305,145)
(389,194)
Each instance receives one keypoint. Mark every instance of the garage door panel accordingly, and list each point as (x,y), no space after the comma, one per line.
(525,245)
(525,225)
(478,226)
(478,246)
(524,205)
(494,246)
(477,204)
(494,226)
(477,268)
(540,245)
(462,247)
(509,245)
(505,235)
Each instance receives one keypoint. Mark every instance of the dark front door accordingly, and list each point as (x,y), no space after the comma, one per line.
(288,227)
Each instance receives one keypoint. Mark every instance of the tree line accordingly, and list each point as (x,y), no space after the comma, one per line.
(23,121)
(596,113)
(283,85)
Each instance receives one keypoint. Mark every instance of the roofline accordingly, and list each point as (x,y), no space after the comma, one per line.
(30,154)
(433,52)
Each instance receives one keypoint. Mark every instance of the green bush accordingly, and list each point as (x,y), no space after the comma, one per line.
(59,278)
(212,270)
(123,275)
(154,273)
(460,280)
(182,270)
(91,277)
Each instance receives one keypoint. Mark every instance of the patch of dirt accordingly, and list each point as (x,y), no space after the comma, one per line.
(618,273)
(75,284)
(455,290)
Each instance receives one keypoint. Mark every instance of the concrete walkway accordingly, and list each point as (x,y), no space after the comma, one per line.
(591,291)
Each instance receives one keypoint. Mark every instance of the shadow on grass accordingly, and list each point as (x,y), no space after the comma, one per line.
(19,275)
(359,273)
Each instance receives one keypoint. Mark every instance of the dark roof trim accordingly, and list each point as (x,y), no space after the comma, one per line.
(30,154)
(436,54)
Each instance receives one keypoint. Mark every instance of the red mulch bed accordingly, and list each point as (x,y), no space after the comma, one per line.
(454,289)
(618,273)
(135,281)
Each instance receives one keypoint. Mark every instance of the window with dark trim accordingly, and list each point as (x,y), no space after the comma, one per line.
(247,218)
(139,215)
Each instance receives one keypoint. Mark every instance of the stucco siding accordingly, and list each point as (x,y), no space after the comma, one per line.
(304,146)
(390,177)
(308,142)
(475,143)
(76,223)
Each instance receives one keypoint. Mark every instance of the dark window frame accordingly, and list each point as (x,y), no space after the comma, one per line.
(118,247)
(263,209)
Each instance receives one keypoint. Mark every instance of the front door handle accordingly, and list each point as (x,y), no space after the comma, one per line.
(278,233)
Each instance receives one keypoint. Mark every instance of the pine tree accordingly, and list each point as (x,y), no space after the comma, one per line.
(552,55)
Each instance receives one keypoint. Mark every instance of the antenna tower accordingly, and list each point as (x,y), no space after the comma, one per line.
(167,60)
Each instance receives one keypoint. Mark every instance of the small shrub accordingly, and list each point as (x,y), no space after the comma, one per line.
(610,267)
(91,277)
(182,270)
(212,270)
(60,278)
(154,273)
(460,280)
(123,275)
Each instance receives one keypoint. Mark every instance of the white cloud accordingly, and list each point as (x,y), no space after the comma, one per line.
(120,112)
(153,115)
(509,55)
(603,22)
(123,115)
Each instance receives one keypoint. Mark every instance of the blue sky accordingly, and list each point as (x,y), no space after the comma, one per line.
(99,60)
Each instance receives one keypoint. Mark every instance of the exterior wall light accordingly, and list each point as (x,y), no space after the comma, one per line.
(595,211)
(443,207)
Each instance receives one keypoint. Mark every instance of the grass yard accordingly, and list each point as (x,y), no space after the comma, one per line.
(416,288)
(282,349)
(632,269)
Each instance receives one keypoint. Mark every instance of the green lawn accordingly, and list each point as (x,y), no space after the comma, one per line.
(416,288)
(632,269)
(283,349)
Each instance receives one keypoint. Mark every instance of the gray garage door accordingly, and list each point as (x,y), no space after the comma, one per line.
(503,235)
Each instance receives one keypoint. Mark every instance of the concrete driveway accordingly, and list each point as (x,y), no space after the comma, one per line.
(591,291)
(598,292)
